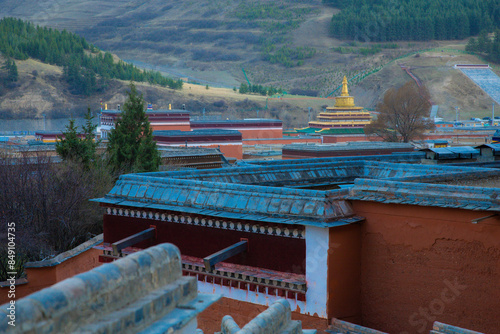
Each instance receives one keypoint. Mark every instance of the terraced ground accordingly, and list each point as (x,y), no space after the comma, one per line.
(210,41)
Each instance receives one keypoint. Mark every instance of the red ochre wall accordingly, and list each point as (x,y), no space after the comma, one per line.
(306,154)
(243,312)
(230,151)
(78,264)
(251,132)
(265,251)
(284,140)
(421,264)
(180,127)
(260,134)
(344,270)
(43,277)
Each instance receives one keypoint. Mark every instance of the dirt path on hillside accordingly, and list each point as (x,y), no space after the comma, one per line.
(314,31)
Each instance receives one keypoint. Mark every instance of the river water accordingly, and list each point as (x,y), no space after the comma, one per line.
(31,125)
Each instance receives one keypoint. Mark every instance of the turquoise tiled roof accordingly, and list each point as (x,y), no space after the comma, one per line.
(269,193)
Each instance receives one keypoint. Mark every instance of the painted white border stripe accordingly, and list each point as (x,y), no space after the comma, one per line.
(317,245)
(254,297)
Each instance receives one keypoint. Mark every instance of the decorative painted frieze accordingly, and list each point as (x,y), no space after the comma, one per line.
(297,233)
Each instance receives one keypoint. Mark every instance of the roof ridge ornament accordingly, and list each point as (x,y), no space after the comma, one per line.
(345,90)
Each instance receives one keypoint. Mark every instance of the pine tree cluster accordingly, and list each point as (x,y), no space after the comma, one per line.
(259,89)
(417,20)
(86,69)
(11,74)
(79,147)
(487,45)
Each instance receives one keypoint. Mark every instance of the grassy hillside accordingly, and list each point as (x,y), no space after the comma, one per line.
(449,88)
(282,43)
(209,42)
(41,89)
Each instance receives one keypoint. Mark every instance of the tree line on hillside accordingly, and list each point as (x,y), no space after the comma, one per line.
(487,45)
(259,89)
(8,75)
(418,20)
(11,74)
(86,69)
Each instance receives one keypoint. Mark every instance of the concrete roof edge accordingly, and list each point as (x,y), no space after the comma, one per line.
(60,258)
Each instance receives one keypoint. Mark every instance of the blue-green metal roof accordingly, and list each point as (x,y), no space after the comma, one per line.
(424,194)
(267,193)
(271,204)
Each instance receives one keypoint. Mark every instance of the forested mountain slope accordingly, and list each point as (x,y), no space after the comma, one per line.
(280,43)
(287,44)
(415,20)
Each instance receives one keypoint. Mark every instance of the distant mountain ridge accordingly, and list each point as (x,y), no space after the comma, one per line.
(283,44)
(201,36)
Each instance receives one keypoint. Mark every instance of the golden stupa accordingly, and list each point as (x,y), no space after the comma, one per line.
(343,115)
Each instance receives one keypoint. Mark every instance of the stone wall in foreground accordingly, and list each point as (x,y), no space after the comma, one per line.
(143,292)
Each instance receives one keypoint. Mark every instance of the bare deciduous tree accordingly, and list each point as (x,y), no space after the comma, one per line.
(49,204)
(402,114)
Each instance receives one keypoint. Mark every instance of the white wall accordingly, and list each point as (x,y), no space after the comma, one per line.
(317,239)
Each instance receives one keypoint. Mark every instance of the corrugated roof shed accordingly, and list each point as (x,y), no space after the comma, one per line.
(494,147)
(464,151)
(454,152)
(440,153)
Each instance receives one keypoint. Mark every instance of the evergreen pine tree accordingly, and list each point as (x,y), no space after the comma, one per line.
(73,147)
(471,45)
(482,41)
(131,147)
(89,141)
(12,74)
(243,88)
(69,145)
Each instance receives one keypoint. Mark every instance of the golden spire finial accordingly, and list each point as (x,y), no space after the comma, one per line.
(345,91)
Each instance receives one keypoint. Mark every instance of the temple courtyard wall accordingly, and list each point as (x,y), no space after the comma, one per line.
(425,264)
(43,274)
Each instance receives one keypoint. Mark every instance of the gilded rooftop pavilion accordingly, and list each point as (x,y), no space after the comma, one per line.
(343,115)
(356,239)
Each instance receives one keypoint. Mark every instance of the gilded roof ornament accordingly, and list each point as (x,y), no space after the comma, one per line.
(345,91)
